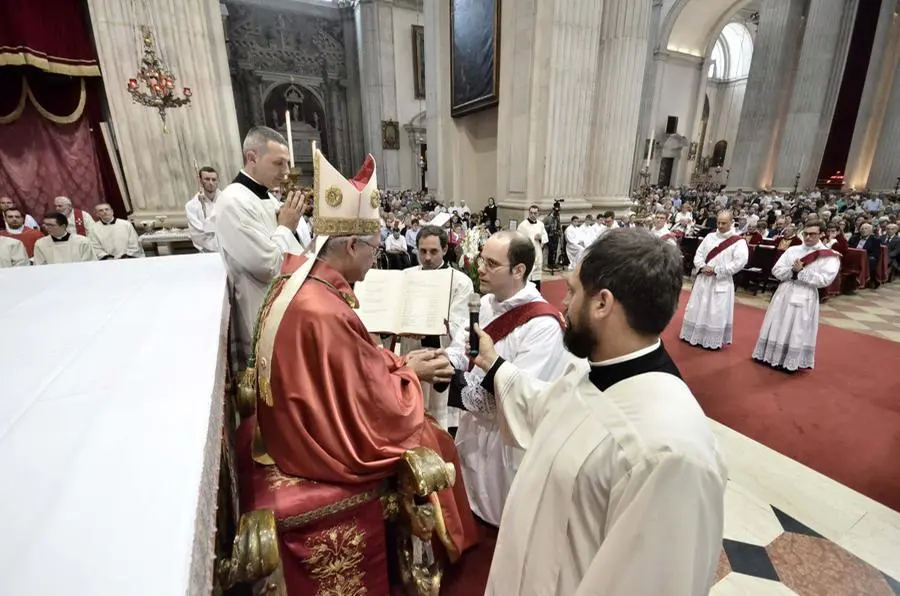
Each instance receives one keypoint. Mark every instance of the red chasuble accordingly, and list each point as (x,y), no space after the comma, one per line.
(78,214)
(346,410)
(28,237)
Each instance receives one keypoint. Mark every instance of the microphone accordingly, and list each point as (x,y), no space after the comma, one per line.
(474,309)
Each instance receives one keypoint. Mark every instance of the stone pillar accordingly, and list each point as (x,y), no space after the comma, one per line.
(352,107)
(375,28)
(439,126)
(616,106)
(645,119)
(768,86)
(820,70)
(875,134)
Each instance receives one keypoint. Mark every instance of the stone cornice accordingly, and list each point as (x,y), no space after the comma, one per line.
(673,57)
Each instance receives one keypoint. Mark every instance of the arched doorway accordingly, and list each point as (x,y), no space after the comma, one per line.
(308,121)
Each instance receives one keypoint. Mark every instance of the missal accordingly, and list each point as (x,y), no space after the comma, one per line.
(409,302)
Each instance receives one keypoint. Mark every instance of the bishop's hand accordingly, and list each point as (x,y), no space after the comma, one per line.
(487,353)
(431,366)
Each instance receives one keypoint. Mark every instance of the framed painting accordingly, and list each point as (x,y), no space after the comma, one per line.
(474,55)
(418,54)
(390,135)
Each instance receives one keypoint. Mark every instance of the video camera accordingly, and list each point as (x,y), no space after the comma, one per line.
(557,206)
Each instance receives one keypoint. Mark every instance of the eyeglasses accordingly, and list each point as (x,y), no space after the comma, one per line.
(374,247)
(490,264)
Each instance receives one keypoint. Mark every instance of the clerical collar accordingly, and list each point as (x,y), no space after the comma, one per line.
(18,230)
(653,358)
(63,239)
(252,185)
(109,223)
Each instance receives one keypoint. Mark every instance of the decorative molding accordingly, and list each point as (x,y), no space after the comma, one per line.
(680,58)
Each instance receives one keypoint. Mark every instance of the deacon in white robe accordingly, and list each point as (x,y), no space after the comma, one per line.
(621,490)
(254,230)
(489,463)
(788,336)
(13,253)
(63,248)
(709,316)
(432,250)
(575,242)
(114,238)
(533,229)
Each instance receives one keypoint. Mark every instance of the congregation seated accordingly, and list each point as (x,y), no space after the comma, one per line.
(865,240)
(789,238)
(396,249)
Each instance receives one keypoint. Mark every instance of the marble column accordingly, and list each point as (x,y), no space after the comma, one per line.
(874,136)
(820,70)
(619,79)
(352,107)
(771,71)
(439,125)
(375,30)
(646,117)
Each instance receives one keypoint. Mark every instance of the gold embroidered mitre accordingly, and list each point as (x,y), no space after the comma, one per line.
(345,207)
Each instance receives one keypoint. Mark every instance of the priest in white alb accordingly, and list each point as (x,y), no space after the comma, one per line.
(254,230)
(60,245)
(113,238)
(576,241)
(621,491)
(528,332)
(787,339)
(533,229)
(709,316)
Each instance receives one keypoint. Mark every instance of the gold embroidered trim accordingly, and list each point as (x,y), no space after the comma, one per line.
(25,56)
(334,560)
(347,297)
(334,196)
(346,226)
(278,479)
(298,521)
(375,199)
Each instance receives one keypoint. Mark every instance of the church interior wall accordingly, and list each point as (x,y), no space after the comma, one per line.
(408,106)
(476,156)
(676,96)
(726,115)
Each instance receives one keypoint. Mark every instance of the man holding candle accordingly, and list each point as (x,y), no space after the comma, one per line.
(254,229)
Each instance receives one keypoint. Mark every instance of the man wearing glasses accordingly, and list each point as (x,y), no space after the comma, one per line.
(527,331)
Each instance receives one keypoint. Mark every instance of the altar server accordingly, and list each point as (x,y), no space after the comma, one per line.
(80,222)
(621,491)
(12,253)
(661,230)
(199,211)
(114,238)
(61,246)
(787,339)
(709,316)
(529,333)
(254,229)
(575,242)
(533,229)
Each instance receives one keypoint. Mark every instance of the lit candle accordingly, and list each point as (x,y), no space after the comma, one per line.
(650,151)
(290,138)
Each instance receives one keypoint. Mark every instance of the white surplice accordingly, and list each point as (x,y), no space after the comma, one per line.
(200,226)
(530,230)
(73,250)
(620,493)
(12,253)
(709,316)
(252,244)
(488,463)
(788,335)
(458,321)
(115,239)
(660,232)
(575,244)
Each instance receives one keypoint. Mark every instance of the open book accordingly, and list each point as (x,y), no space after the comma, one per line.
(410,302)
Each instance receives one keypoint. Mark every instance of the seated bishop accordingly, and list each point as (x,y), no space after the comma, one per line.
(333,406)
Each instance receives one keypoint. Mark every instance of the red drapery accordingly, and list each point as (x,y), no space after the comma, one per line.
(50,35)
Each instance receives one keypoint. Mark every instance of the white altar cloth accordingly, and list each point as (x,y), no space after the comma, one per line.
(110,423)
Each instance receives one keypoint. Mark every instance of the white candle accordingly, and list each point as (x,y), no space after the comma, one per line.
(802,163)
(290,138)
(650,151)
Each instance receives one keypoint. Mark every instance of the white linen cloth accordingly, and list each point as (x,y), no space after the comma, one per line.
(75,249)
(788,335)
(198,212)
(115,239)
(709,316)
(530,231)
(488,463)
(620,493)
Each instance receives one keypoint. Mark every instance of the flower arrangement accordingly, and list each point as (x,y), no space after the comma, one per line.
(470,251)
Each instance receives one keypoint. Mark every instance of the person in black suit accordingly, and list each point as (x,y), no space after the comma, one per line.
(864,240)
(892,241)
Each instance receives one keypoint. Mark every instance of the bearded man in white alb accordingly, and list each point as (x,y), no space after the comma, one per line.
(787,339)
(622,488)
(113,238)
(533,229)
(709,316)
(254,229)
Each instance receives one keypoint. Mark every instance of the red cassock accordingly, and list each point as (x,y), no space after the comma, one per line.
(345,410)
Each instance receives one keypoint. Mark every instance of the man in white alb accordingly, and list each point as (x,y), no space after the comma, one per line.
(199,211)
(254,229)
(709,316)
(61,246)
(80,222)
(527,331)
(787,339)
(431,247)
(621,491)
(113,238)
(575,242)
(12,253)
(6,203)
(533,229)
(661,230)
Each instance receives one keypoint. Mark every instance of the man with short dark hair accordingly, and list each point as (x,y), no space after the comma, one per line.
(61,246)
(17,228)
(621,491)
(6,203)
(575,242)
(527,331)
(199,211)
(533,229)
(787,339)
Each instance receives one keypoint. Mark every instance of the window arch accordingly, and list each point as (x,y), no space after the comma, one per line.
(737,43)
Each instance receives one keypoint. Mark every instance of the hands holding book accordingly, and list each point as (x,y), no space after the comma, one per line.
(431,366)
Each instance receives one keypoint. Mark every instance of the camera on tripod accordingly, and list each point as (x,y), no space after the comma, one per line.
(556,205)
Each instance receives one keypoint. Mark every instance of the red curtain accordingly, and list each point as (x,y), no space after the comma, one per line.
(48,34)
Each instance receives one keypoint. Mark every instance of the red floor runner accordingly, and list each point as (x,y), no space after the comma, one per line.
(841,419)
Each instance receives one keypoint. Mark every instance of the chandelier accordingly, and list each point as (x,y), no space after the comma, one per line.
(154,85)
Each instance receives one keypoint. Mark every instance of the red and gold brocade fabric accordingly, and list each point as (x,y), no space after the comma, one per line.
(345,410)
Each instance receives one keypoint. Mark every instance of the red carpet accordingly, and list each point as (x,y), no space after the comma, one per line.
(842,419)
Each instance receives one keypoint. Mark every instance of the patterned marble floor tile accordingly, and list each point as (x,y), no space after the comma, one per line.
(736,584)
(865,316)
(845,323)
